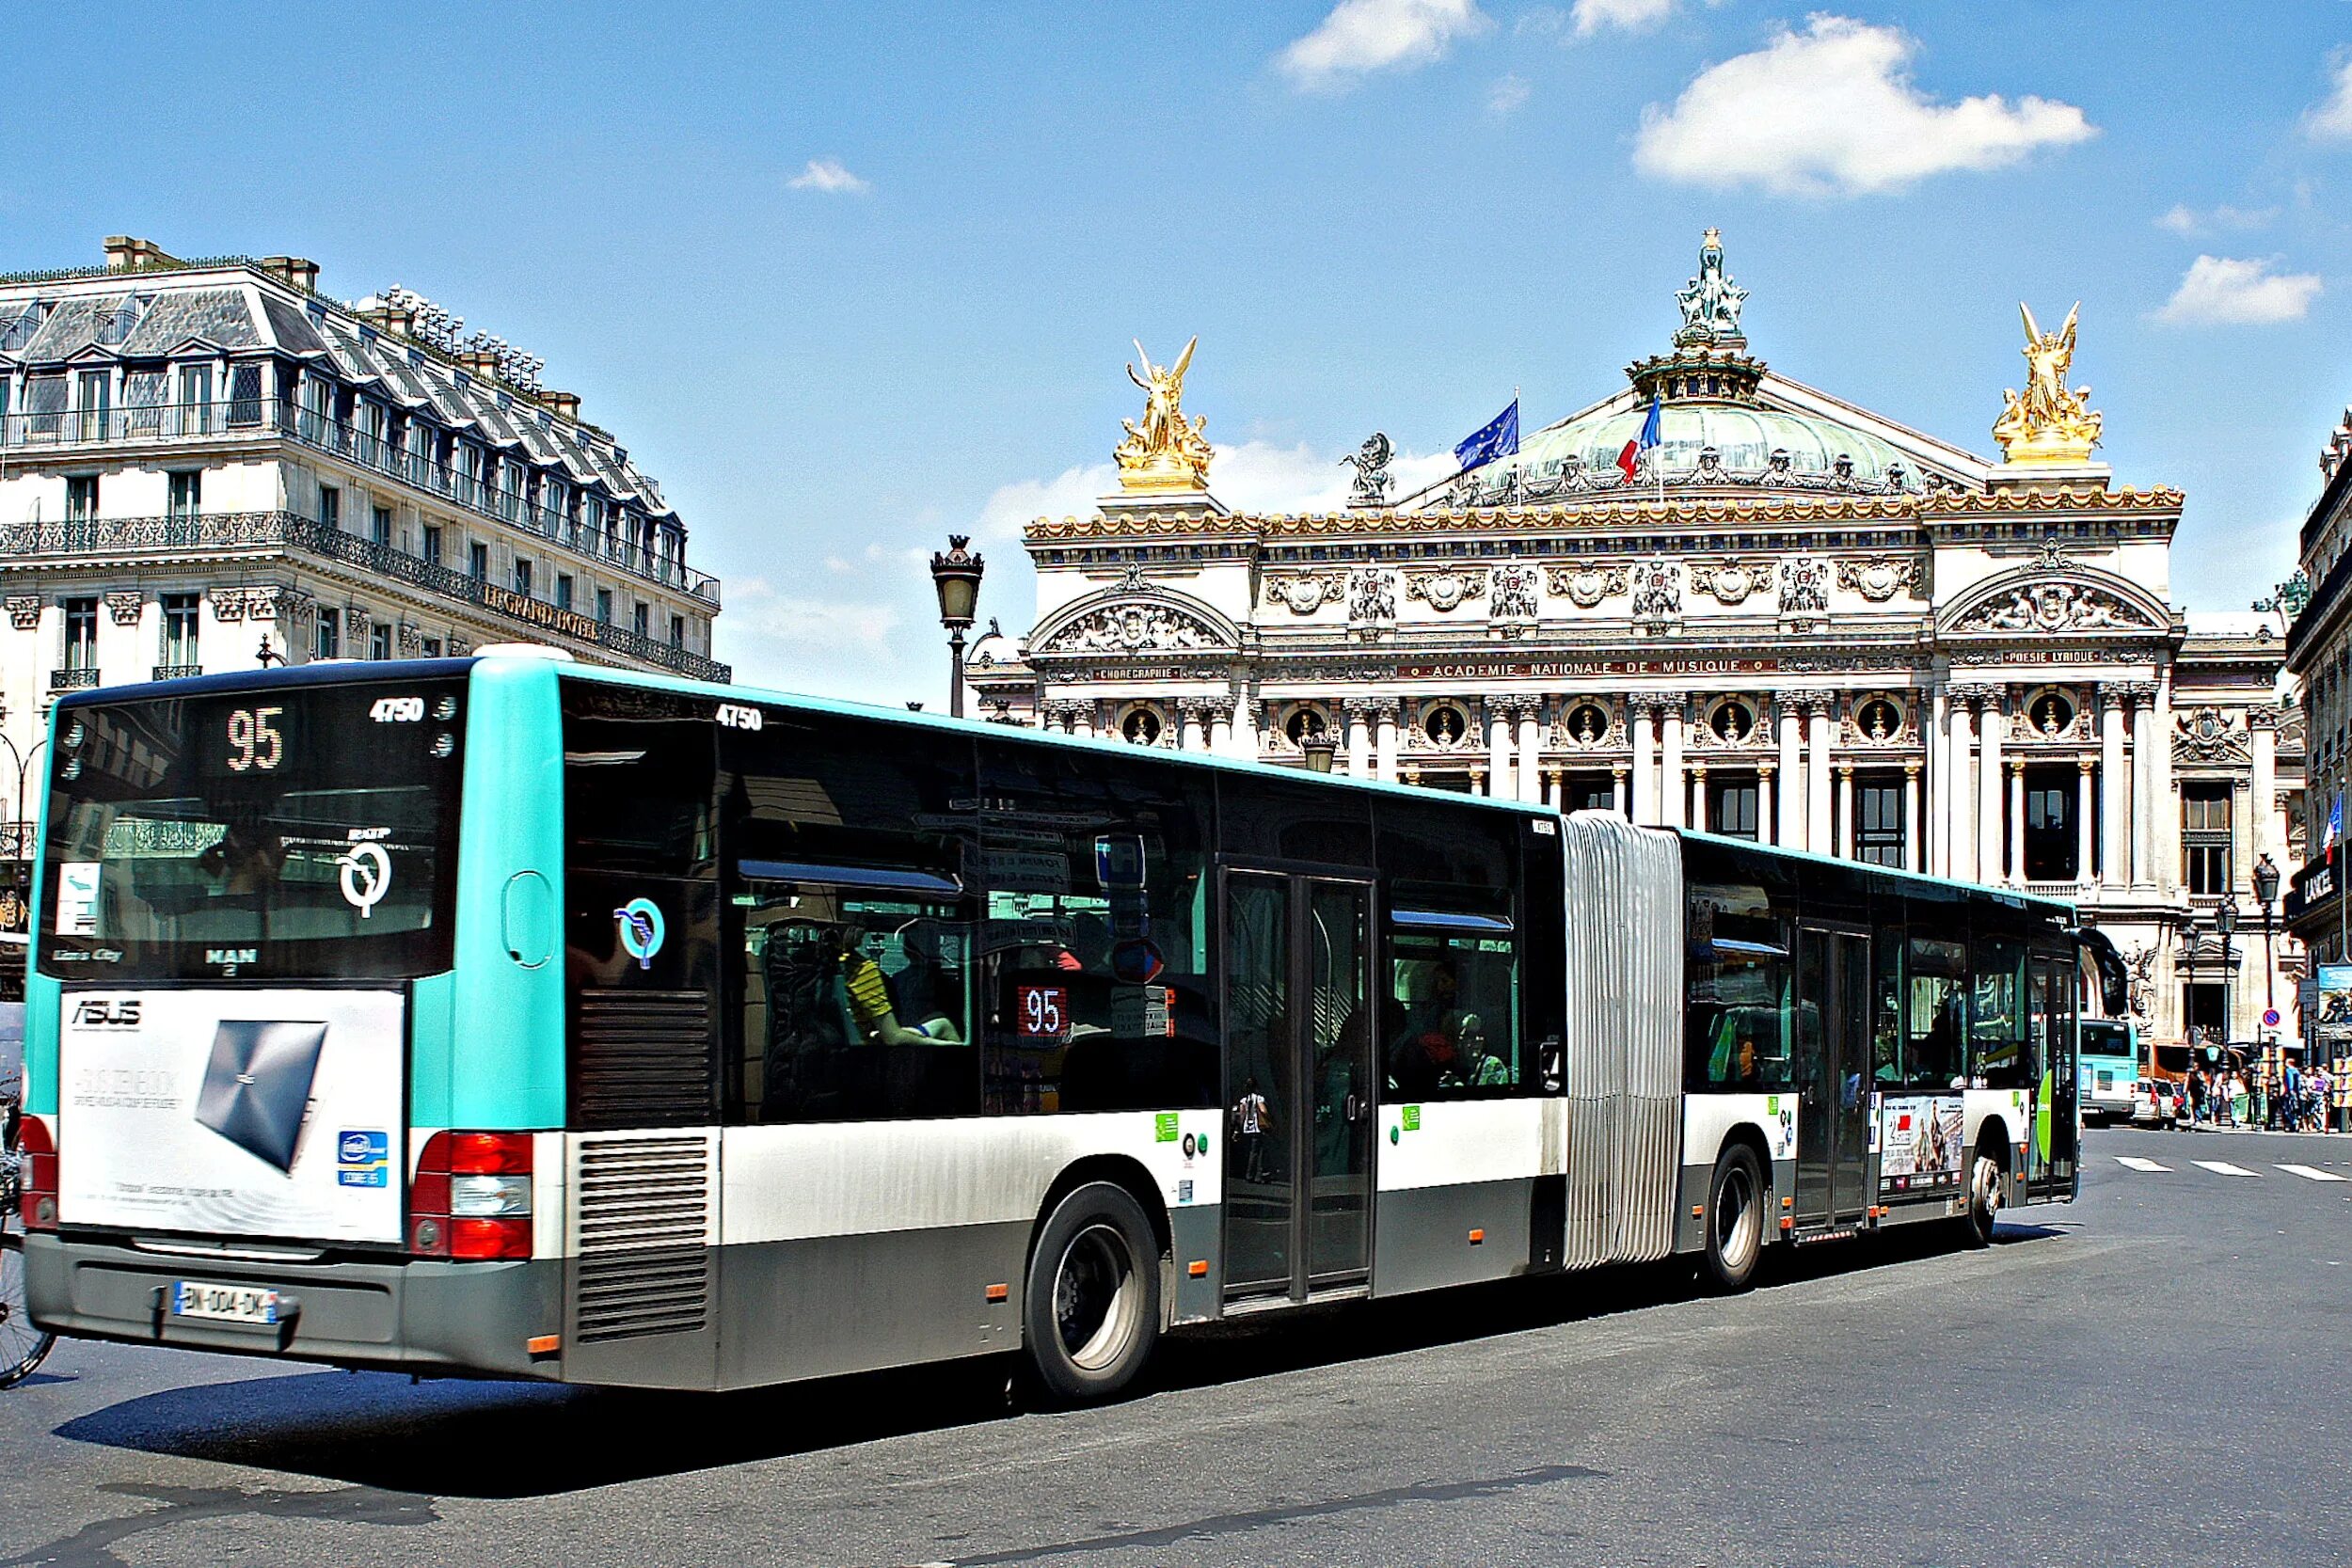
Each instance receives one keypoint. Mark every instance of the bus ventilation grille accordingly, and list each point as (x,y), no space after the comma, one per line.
(644,1059)
(644,1214)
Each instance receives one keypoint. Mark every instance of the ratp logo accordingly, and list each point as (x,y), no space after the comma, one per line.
(367,873)
(642,930)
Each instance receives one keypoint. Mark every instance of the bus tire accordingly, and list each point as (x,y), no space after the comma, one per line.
(1091,1312)
(1985,1198)
(1735,1222)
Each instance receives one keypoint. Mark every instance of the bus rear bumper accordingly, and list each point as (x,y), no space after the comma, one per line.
(408,1315)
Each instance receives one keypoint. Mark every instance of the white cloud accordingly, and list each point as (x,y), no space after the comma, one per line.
(827,175)
(2188,223)
(1507,94)
(2332,121)
(1832,111)
(1630,16)
(2219,292)
(1360,36)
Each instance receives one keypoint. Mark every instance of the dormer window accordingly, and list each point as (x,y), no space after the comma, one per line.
(18,330)
(115,324)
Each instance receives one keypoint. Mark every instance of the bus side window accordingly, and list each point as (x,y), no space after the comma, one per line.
(1096,992)
(1450,1024)
(1934,1015)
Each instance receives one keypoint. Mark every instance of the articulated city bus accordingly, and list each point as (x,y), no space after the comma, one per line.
(508,1017)
(2111,1072)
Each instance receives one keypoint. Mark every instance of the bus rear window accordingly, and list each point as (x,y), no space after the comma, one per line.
(274,832)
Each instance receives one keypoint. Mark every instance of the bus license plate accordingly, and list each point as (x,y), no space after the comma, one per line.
(229,1303)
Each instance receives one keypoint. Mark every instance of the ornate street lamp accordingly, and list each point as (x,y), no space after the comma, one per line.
(2225,922)
(2266,893)
(956,575)
(2188,1026)
(1318,748)
(267,655)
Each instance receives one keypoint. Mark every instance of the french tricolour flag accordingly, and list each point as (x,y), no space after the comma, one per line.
(1629,460)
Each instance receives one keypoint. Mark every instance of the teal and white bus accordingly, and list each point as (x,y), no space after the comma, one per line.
(2111,1069)
(509,1016)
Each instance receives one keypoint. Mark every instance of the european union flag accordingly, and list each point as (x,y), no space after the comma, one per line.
(1498,437)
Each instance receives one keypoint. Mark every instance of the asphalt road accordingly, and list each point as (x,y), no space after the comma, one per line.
(2160,1373)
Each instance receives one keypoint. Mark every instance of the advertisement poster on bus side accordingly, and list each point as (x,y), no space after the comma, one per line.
(1919,1142)
(233,1112)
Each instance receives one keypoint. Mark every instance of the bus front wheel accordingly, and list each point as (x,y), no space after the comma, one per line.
(1985,1199)
(1091,1311)
(1735,1220)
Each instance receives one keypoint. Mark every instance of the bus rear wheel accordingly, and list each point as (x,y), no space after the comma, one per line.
(1985,1199)
(1091,1314)
(1735,1221)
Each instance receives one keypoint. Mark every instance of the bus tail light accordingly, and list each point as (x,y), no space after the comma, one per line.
(470,1198)
(36,1174)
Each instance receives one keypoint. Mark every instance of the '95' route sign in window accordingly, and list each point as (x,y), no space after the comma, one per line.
(1042,1012)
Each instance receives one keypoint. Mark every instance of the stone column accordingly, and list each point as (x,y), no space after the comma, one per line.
(1191,724)
(1817,804)
(1551,788)
(1674,790)
(2268,835)
(1497,712)
(1240,737)
(2143,695)
(1616,780)
(1845,811)
(1956,809)
(2017,821)
(2115,811)
(1384,738)
(1935,734)
(1992,719)
(2085,767)
(2164,826)
(1790,831)
(1530,715)
(1356,719)
(1698,795)
(1766,828)
(1645,781)
(1082,720)
(1912,827)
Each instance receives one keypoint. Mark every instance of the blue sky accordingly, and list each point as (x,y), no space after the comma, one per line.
(845,278)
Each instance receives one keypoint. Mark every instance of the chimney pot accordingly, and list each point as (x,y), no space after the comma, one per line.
(299,271)
(128,253)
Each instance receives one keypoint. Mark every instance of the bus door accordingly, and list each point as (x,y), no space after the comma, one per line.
(1833,1040)
(2051,1141)
(1299,1076)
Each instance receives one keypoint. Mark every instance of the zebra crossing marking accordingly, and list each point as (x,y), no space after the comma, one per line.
(2311,1173)
(2133,1162)
(2223,1167)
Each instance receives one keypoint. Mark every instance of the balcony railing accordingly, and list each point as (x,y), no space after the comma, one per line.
(77,678)
(232,417)
(290,531)
(177,671)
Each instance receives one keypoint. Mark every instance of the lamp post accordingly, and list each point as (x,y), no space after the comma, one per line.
(2189,1024)
(2266,893)
(267,655)
(1318,748)
(2225,922)
(956,575)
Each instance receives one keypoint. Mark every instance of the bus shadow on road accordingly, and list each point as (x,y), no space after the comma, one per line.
(484,1439)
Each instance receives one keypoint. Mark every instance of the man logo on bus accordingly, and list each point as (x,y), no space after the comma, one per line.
(640,929)
(367,877)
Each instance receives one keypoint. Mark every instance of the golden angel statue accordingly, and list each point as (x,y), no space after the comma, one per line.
(1165,451)
(2048,421)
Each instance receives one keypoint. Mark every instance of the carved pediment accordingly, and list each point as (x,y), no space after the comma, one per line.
(1137,627)
(2049,604)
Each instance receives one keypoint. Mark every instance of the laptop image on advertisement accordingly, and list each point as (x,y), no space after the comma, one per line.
(257,1085)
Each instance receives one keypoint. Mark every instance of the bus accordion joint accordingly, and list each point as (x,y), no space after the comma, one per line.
(38,1201)
(470,1198)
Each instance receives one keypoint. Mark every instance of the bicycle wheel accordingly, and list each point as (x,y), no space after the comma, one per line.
(22,1347)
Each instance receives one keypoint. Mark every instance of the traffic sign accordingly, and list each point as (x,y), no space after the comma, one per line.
(2270,1017)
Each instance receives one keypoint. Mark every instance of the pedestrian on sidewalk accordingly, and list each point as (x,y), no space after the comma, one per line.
(2196,1094)
(2291,1077)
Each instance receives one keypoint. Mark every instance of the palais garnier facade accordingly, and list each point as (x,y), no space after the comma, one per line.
(1786,619)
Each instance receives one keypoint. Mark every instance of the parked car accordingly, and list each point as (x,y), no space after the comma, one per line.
(2159,1102)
